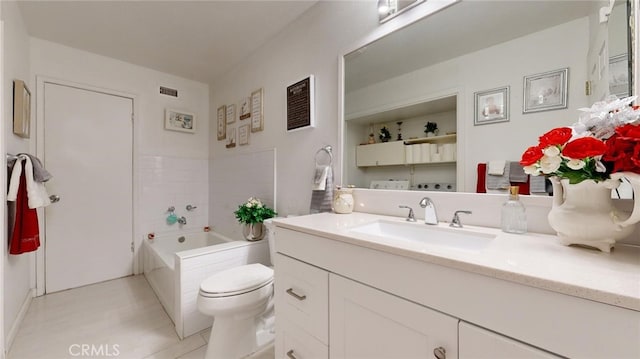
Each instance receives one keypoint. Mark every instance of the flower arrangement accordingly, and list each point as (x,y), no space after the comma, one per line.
(431,127)
(385,135)
(253,211)
(605,140)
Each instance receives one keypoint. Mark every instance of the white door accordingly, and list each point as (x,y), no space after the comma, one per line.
(88,140)
(368,323)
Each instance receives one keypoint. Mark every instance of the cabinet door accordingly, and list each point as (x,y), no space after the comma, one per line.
(368,323)
(380,154)
(478,343)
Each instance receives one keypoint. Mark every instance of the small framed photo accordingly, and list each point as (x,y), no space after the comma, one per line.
(243,135)
(21,109)
(491,106)
(175,120)
(257,118)
(619,75)
(222,122)
(245,108)
(231,137)
(231,114)
(546,91)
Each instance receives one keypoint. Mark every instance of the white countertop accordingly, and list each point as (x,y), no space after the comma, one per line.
(531,259)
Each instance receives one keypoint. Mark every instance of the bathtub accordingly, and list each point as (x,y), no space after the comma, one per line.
(176,264)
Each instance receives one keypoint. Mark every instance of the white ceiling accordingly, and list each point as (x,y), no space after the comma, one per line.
(199,40)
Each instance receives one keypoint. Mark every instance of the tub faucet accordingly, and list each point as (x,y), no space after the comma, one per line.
(430,216)
(182,220)
(455,222)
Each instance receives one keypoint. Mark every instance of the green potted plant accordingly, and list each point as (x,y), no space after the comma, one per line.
(251,215)
(385,135)
(431,129)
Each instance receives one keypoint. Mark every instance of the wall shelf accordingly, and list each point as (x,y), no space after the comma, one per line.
(434,139)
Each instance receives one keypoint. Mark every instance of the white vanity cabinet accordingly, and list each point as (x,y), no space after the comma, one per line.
(369,323)
(354,301)
(478,343)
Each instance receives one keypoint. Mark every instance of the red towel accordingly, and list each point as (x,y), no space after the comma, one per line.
(26,235)
(481,182)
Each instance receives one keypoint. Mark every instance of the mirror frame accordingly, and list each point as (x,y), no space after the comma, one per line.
(398,22)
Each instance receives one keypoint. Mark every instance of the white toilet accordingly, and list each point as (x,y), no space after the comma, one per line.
(241,301)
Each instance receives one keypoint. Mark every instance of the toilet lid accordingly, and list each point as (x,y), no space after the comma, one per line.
(237,280)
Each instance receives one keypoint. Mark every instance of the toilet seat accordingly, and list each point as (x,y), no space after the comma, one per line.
(236,281)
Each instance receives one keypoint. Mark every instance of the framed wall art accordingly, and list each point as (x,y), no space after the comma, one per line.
(245,108)
(21,109)
(231,114)
(546,91)
(619,75)
(301,104)
(222,122)
(491,106)
(243,134)
(175,120)
(257,118)
(231,137)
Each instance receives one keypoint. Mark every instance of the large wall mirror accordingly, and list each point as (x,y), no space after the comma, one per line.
(492,75)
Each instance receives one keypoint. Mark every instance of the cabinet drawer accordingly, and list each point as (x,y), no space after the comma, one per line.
(478,343)
(301,294)
(294,343)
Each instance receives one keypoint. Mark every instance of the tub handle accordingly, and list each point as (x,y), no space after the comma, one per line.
(190,207)
(295,295)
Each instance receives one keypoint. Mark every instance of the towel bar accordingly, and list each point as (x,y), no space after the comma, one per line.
(328,149)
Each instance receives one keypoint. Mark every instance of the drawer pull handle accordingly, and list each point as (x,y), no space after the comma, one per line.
(290,354)
(295,295)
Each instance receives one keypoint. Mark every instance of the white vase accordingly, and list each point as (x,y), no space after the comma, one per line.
(253,231)
(584,214)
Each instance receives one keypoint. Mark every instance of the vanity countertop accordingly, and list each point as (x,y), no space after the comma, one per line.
(531,259)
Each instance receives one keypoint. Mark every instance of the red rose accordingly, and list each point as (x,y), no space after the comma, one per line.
(584,147)
(557,136)
(531,155)
(623,149)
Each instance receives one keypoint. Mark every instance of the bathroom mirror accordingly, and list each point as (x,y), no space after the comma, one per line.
(439,68)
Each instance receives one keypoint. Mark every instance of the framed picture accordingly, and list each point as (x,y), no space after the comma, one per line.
(245,108)
(231,114)
(222,122)
(491,106)
(179,121)
(257,119)
(300,104)
(21,109)
(546,91)
(231,137)
(619,75)
(243,135)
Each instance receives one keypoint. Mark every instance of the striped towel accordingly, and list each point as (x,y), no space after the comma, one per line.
(321,200)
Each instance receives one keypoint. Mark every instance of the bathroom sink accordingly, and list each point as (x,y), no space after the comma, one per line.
(422,233)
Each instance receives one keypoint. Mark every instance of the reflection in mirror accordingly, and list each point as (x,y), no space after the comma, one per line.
(432,71)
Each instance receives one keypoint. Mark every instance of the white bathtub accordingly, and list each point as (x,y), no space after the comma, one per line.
(176,264)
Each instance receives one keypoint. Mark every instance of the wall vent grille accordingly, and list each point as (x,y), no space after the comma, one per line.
(168,91)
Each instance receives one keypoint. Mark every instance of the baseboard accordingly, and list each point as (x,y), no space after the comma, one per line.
(11,335)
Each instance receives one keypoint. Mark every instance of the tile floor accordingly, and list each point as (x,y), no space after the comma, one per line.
(121,318)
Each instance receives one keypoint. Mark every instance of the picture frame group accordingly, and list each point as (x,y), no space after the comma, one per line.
(248,112)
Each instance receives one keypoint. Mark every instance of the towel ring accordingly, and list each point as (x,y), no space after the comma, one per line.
(328,150)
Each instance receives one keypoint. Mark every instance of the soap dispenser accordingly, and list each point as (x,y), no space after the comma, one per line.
(514,216)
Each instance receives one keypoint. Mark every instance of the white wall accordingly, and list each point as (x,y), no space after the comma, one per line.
(492,68)
(168,165)
(312,44)
(17,269)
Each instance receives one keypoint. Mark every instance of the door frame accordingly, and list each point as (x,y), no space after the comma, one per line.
(39,133)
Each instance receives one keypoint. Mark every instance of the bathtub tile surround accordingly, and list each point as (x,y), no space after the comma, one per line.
(173,181)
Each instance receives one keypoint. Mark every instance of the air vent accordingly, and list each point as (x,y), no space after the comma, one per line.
(169,92)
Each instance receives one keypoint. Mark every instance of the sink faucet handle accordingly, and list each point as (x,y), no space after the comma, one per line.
(455,222)
(411,216)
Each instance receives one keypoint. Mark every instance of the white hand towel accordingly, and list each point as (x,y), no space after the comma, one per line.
(320,178)
(496,167)
(37,193)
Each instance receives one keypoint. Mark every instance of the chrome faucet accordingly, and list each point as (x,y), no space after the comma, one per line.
(430,216)
(411,216)
(182,220)
(455,222)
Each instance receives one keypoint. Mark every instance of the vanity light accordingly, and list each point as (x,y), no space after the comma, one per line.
(383,7)
(388,9)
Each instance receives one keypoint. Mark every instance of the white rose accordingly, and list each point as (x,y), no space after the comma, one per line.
(550,164)
(531,170)
(551,151)
(576,164)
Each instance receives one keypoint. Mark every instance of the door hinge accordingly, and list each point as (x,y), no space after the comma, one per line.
(132,250)
(587,88)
